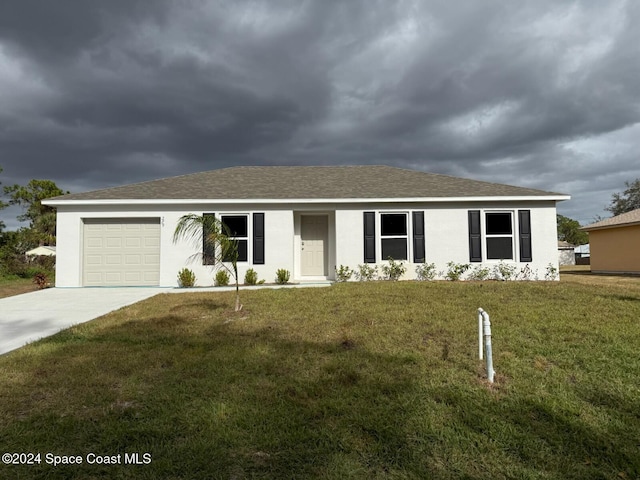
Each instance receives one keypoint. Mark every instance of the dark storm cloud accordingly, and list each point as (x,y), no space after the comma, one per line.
(539,94)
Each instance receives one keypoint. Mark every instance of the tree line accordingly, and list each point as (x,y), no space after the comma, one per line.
(40,229)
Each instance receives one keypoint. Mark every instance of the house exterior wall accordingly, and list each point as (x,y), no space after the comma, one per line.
(615,249)
(446,236)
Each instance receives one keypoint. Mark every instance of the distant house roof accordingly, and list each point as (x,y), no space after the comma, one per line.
(623,220)
(565,245)
(42,250)
(313,182)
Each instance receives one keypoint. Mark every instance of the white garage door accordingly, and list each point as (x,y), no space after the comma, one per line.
(121,252)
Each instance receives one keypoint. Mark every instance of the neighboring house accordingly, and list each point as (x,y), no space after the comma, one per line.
(565,253)
(43,250)
(615,244)
(308,220)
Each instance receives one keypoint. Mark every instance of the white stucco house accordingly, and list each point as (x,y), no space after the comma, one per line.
(308,220)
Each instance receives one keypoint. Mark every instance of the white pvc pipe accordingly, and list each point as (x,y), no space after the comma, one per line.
(480,312)
(487,346)
(484,330)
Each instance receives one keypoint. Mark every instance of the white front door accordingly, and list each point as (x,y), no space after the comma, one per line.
(314,235)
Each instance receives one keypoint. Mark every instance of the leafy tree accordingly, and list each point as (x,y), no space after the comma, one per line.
(627,200)
(2,205)
(41,218)
(217,239)
(569,231)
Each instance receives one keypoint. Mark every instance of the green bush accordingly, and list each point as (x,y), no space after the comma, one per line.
(393,270)
(551,273)
(282,276)
(343,274)
(251,277)
(504,271)
(456,270)
(186,278)
(222,278)
(426,271)
(479,273)
(366,273)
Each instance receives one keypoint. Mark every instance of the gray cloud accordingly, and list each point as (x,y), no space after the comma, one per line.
(539,94)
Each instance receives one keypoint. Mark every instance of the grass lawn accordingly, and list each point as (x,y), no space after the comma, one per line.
(15,286)
(377,380)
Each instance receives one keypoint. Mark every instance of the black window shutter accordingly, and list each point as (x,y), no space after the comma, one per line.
(475,236)
(258,238)
(524,224)
(369,237)
(418,237)
(208,248)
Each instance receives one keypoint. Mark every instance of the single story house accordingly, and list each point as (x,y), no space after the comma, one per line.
(566,255)
(615,244)
(308,220)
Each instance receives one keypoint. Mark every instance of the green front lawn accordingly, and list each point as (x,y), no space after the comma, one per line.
(377,380)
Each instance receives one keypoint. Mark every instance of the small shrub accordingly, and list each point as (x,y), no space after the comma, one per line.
(186,278)
(479,273)
(343,274)
(551,273)
(504,271)
(251,277)
(456,270)
(426,271)
(366,273)
(222,278)
(527,274)
(41,280)
(393,270)
(282,276)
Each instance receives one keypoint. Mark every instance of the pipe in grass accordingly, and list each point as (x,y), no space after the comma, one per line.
(484,330)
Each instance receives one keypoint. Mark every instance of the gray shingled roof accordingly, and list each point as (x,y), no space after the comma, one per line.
(625,219)
(318,182)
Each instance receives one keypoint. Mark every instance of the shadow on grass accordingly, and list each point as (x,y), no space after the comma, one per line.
(219,403)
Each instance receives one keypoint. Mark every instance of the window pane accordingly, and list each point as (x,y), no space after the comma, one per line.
(393,224)
(242,252)
(499,224)
(395,248)
(237,224)
(499,248)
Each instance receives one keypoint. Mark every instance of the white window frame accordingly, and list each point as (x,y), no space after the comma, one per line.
(247,217)
(487,236)
(406,237)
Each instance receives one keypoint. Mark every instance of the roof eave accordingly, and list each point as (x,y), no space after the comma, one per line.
(606,227)
(517,198)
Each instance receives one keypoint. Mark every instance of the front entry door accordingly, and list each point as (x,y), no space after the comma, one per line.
(314,235)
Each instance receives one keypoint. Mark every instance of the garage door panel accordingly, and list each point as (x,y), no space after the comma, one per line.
(113,242)
(121,252)
(133,242)
(133,259)
(94,242)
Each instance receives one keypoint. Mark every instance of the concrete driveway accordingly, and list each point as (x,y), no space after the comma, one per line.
(31,316)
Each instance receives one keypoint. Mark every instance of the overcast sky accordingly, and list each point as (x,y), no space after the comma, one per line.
(542,94)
